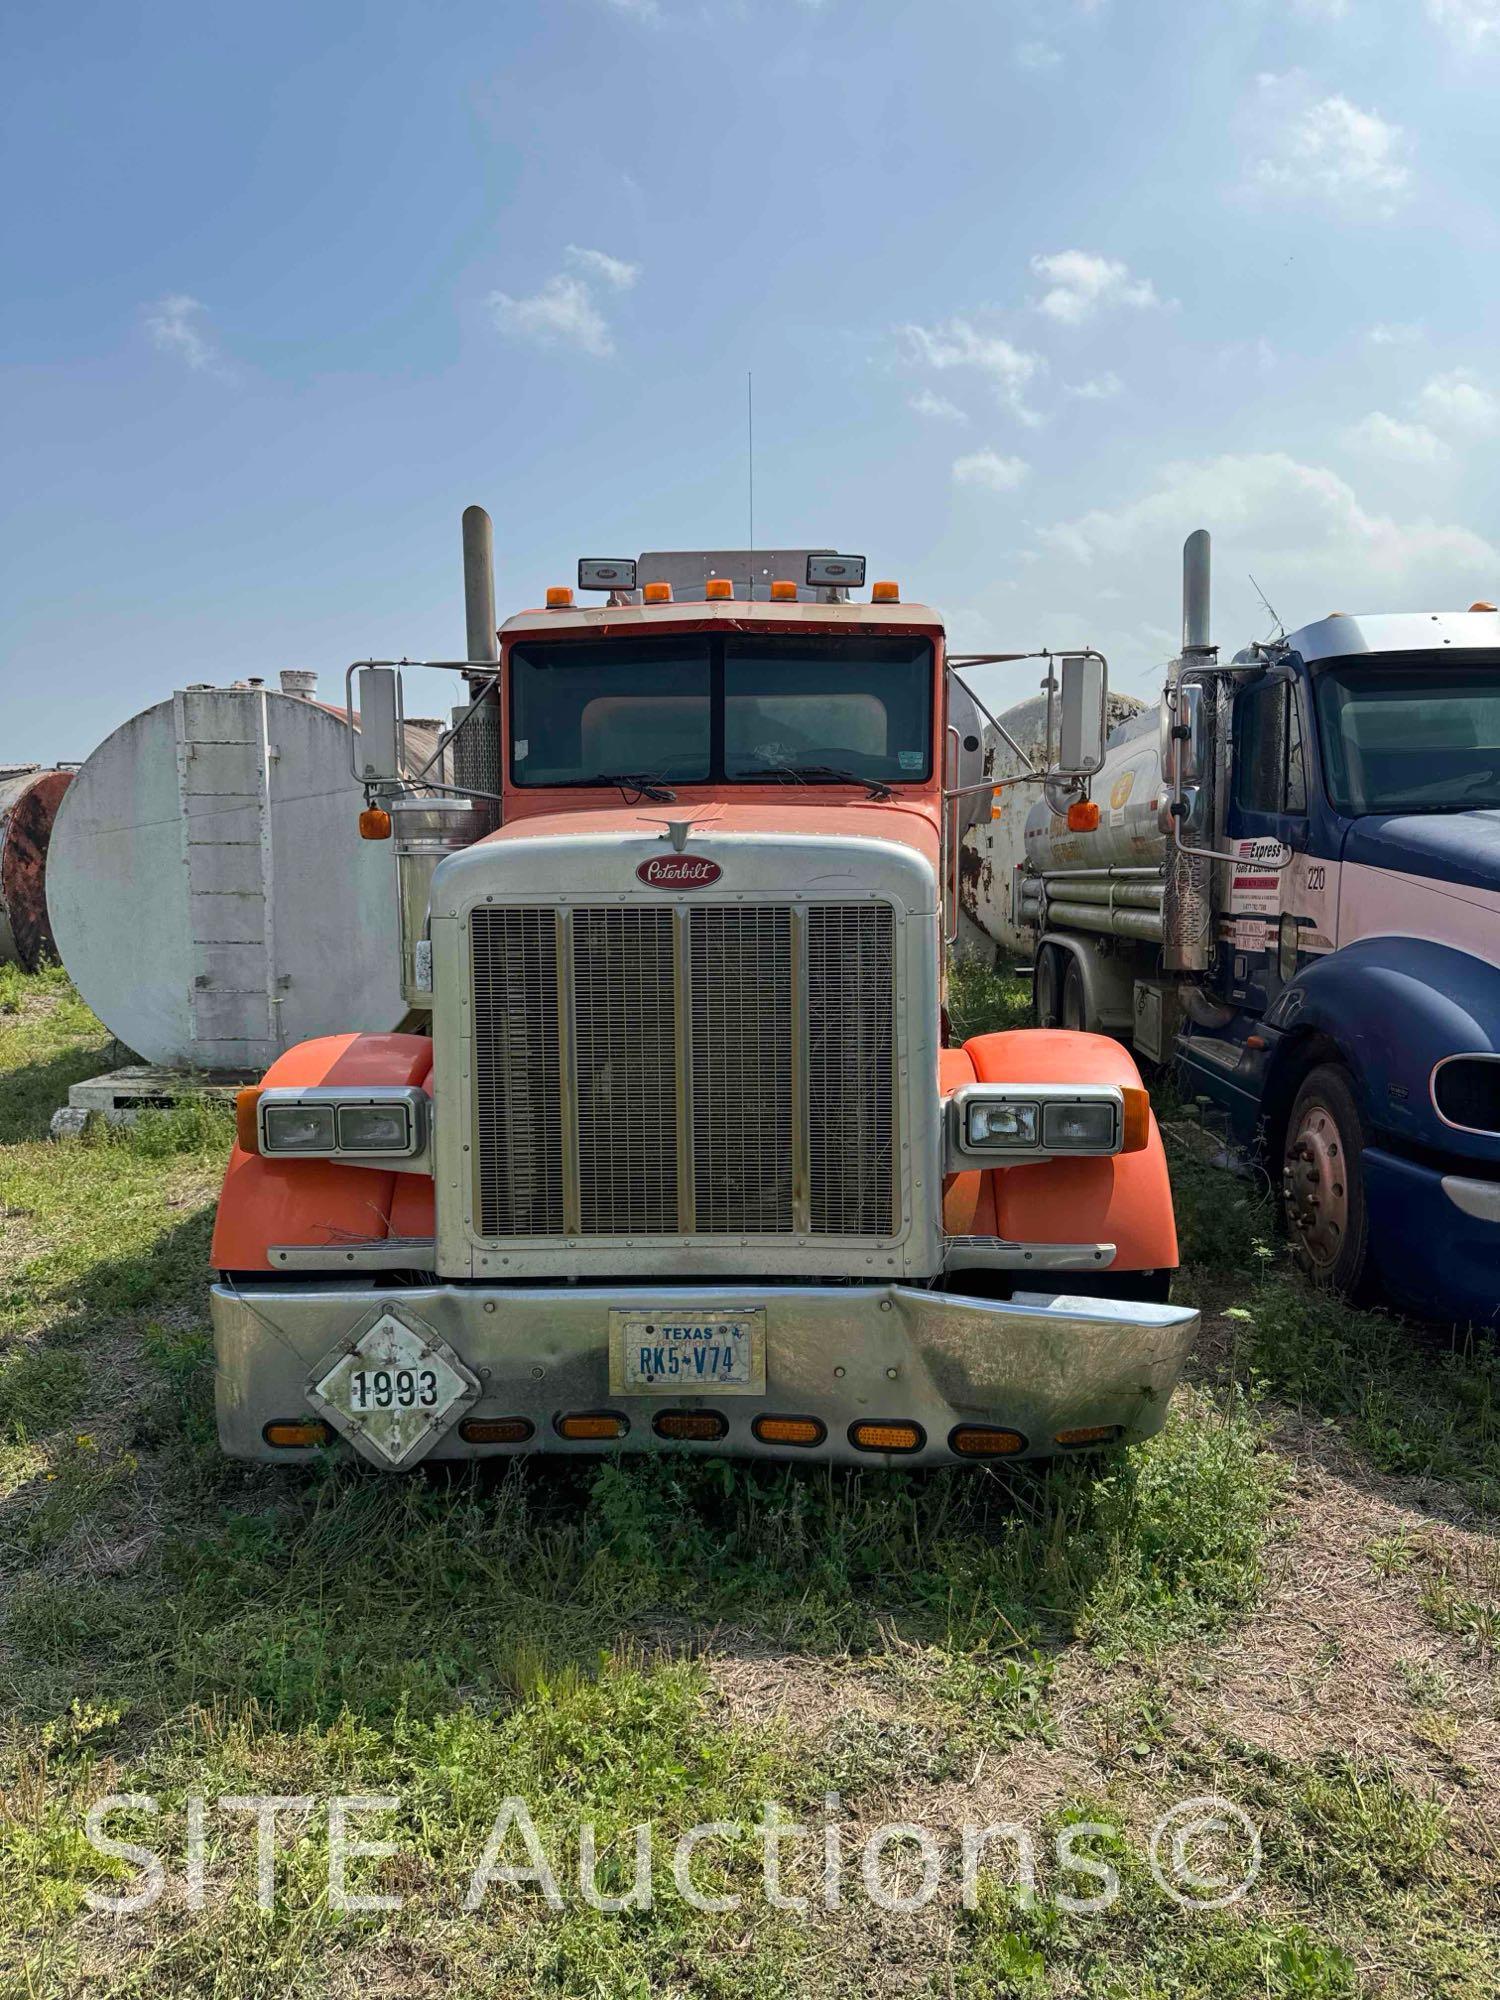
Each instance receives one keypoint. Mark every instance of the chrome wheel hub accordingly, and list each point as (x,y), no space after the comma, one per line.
(1314,1187)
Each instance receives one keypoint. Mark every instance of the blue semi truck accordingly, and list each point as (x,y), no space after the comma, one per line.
(1285,882)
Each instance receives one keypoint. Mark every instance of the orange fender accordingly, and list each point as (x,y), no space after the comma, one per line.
(265,1202)
(1126,1200)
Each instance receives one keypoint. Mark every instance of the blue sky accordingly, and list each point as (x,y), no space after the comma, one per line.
(1029,291)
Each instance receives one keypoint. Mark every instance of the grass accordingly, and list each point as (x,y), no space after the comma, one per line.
(667,1642)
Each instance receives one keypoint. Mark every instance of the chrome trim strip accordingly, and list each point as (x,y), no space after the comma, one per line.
(995,1253)
(1460,1055)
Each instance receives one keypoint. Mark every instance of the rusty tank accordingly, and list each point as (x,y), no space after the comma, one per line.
(29,797)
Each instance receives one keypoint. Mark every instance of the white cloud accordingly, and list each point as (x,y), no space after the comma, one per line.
(563,312)
(1328,149)
(1037,56)
(1395,333)
(1083,284)
(990,469)
(1472,22)
(177,325)
(1322,10)
(1391,437)
(958,343)
(1461,402)
(614,271)
(640,10)
(1098,389)
(1300,529)
(928,404)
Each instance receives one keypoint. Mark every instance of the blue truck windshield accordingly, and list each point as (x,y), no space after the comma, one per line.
(1416,734)
(716,707)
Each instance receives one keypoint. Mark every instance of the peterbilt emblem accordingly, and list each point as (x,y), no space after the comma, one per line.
(678,871)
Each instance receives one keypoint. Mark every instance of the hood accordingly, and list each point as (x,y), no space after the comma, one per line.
(904,825)
(1459,851)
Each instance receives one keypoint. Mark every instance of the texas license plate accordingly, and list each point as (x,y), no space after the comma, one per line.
(688,1353)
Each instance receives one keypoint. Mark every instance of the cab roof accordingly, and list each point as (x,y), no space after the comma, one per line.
(1339,637)
(721,614)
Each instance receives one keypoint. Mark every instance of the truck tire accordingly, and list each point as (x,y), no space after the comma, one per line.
(1323,1182)
(1075,1006)
(1046,987)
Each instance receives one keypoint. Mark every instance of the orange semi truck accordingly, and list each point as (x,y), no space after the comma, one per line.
(672,1152)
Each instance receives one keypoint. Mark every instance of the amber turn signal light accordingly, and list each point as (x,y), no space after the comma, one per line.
(247,1118)
(296,1433)
(886,1437)
(789,1430)
(495,1430)
(1135,1123)
(374,823)
(985,1441)
(699,1426)
(596,1425)
(1083,816)
(1089,1434)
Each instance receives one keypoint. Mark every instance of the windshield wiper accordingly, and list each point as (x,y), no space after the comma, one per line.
(805,773)
(632,781)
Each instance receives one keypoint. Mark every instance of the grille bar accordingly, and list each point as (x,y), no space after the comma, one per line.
(728,1070)
(517,1075)
(850,1096)
(741,982)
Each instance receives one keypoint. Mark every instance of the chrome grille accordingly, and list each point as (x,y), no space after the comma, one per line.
(849,1055)
(710,1070)
(517,1076)
(625,1053)
(741,982)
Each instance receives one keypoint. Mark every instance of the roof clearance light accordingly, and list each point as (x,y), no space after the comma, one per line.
(606,573)
(657,593)
(783,593)
(1481,604)
(885,593)
(559,597)
(718,586)
(835,572)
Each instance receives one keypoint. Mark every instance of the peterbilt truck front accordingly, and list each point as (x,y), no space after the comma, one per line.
(670,1153)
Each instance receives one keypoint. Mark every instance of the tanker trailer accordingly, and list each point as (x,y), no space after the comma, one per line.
(994,848)
(211,896)
(29,799)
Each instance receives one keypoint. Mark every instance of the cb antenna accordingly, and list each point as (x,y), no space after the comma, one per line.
(750,444)
(1280,628)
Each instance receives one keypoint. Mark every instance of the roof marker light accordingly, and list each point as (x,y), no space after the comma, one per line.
(1481,605)
(783,593)
(559,597)
(718,586)
(657,593)
(885,593)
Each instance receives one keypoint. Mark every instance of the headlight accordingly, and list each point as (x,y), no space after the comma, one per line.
(1002,1125)
(382,1122)
(374,1128)
(298,1128)
(1078,1128)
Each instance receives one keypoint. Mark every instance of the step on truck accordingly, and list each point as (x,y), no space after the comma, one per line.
(670,1152)
(1285,881)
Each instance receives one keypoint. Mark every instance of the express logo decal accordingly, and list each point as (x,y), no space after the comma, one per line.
(678,871)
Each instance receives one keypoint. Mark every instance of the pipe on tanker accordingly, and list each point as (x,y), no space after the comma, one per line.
(476,747)
(1142,924)
(1114,895)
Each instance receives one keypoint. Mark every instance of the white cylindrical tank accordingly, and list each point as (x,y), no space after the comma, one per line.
(996,847)
(1128,793)
(209,891)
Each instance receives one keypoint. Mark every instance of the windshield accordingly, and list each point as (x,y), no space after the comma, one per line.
(721,707)
(1418,734)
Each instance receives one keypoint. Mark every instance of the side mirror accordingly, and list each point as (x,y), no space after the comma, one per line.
(1186,751)
(1082,694)
(377,754)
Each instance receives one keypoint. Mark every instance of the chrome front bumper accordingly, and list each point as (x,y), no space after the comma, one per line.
(1038,1365)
